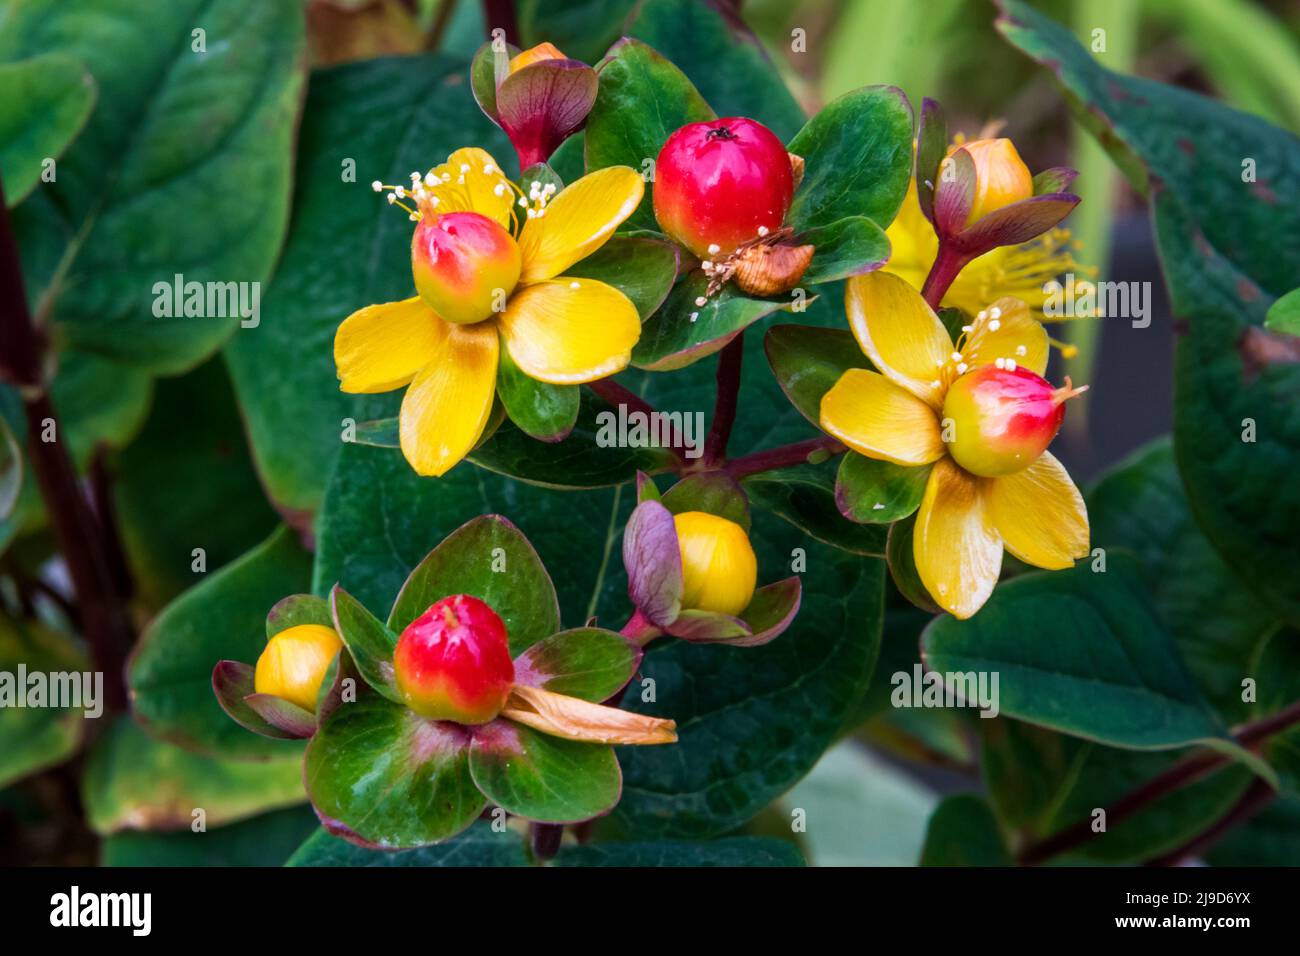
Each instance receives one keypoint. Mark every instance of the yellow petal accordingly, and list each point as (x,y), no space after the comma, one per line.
(957,550)
(876,418)
(447,406)
(1040,514)
(537,54)
(899,333)
(578,221)
(569,331)
(469,181)
(1007,330)
(381,347)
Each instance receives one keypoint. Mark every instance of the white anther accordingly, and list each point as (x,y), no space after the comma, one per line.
(489,169)
(499,189)
(400,192)
(1021,350)
(961,368)
(391,199)
(763,230)
(994,325)
(377,186)
(573,285)
(714,248)
(694,316)
(700,300)
(956,356)
(1001,363)
(1011,365)
(995,313)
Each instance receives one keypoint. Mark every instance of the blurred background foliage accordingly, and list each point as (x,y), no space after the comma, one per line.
(181,447)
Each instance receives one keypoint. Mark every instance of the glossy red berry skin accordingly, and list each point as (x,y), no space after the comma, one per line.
(453,662)
(464,264)
(718,183)
(1002,419)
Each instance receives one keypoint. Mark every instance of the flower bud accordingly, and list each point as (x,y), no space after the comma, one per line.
(1002,419)
(294,663)
(721,183)
(719,569)
(453,662)
(537,54)
(464,265)
(1001,176)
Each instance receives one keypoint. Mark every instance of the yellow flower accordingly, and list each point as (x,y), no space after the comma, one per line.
(719,567)
(1020,271)
(537,54)
(294,664)
(899,414)
(1001,176)
(557,329)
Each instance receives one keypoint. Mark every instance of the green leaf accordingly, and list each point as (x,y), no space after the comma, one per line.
(45,104)
(846,247)
(1284,314)
(728,66)
(395,115)
(191,463)
(683,331)
(729,852)
(370,643)
(808,361)
(1270,839)
(101,402)
(1225,243)
(266,840)
(590,457)
(585,662)
(298,609)
(963,832)
(480,845)
(1140,506)
(871,491)
(541,411)
(805,497)
(544,778)
(857,155)
(901,556)
(220,618)
(641,100)
(643,269)
(31,737)
(133,781)
(1101,666)
(128,186)
(391,776)
(490,559)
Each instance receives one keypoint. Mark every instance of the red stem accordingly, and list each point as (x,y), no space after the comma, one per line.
(782,456)
(1257,796)
(730,360)
(1179,775)
(639,630)
(615,394)
(947,264)
(80,535)
(501,13)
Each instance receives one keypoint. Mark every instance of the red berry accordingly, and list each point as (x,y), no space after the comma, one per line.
(453,662)
(464,264)
(1002,419)
(718,183)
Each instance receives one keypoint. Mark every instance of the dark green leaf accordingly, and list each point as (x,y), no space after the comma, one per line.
(540,410)
(480,845)
(1083,653)
(846,247)
(713,493)
(11,470)
(370,643)
(857,155)
(807,362)
(33,737)
(643,269)
(878,492)
(585,662)
(729,851)
(805,497)
(128,186)
(900,553)
(265,840)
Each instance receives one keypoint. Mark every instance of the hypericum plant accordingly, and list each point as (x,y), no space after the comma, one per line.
(470,692)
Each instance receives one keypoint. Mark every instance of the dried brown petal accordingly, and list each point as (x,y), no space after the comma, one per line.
(771,269)
(576,719)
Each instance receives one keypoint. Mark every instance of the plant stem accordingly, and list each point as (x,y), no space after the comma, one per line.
(639,630)
(782,456)
(615,394)
(546,839)
(1257,796)
(79,533)
(1179,775)
(947,264)
(730,360)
